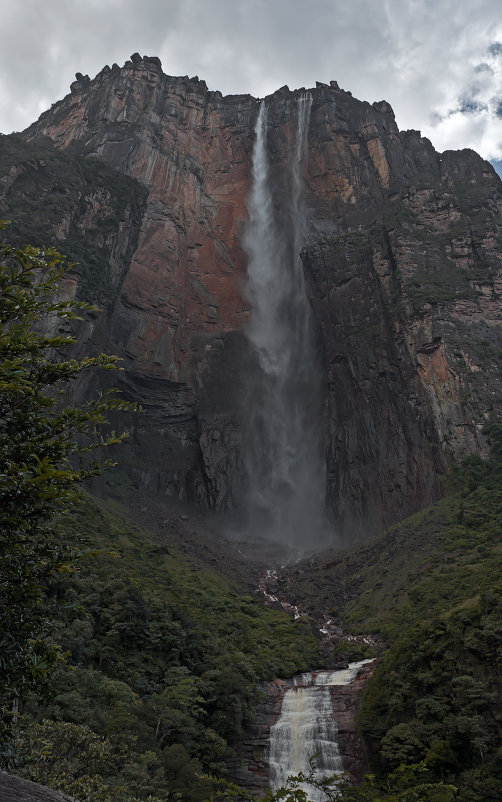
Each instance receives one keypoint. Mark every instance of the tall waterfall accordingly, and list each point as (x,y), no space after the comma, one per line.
(283,406)
(306,727)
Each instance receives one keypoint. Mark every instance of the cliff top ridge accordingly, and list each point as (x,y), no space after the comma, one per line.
(151,66)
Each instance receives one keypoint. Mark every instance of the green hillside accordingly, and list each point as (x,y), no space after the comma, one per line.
(435,696)
(429,589)
(164,660)
(165,655)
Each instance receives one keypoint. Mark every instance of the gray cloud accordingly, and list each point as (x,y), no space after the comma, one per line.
(495,49)
(420,55)
(484,67)
(468,105)
(43,45)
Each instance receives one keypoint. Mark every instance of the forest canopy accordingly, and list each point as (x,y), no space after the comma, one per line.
(46,450)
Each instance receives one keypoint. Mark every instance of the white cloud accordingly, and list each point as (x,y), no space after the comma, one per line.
(428,58)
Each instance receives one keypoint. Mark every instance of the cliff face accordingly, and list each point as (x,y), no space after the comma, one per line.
(402,263)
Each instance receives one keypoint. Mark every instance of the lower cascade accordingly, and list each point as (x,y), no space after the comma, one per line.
(307,728)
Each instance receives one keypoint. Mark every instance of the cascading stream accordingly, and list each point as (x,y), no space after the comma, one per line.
(282,450)
(306,727)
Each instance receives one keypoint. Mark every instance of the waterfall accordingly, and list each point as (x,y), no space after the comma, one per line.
(306,727)
(282,451)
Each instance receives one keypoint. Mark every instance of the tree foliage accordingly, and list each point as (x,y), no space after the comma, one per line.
(162,661)
(151,669)
(46,449)
(434,699)
(413,783)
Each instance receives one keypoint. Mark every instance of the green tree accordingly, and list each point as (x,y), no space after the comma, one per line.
(46,449)
(403,743)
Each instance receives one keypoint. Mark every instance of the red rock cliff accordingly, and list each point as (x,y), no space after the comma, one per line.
(402,263)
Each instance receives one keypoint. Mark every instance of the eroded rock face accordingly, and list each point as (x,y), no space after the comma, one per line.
(346,701)
(250,768)
(14,789)
(402,263)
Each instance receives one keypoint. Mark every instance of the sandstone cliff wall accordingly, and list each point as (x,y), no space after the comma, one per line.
(402,261)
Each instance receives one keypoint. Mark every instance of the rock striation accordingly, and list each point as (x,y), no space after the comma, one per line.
(249,767)
(346,702)
(14,789)
(142,178)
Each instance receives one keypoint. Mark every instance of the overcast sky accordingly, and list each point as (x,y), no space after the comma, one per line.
(438,62)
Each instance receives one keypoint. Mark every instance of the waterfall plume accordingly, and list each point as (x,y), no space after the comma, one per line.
(284,466)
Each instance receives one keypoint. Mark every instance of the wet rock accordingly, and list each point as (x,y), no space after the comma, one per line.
(249,768)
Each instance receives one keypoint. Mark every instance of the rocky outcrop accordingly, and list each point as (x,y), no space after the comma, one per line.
(402,263)
(249,768)
(13,789)
(346,701)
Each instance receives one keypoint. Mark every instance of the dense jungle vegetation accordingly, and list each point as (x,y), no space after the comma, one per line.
(128,667)
(155,690)
(434,703)
(163,661)
(431,589)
